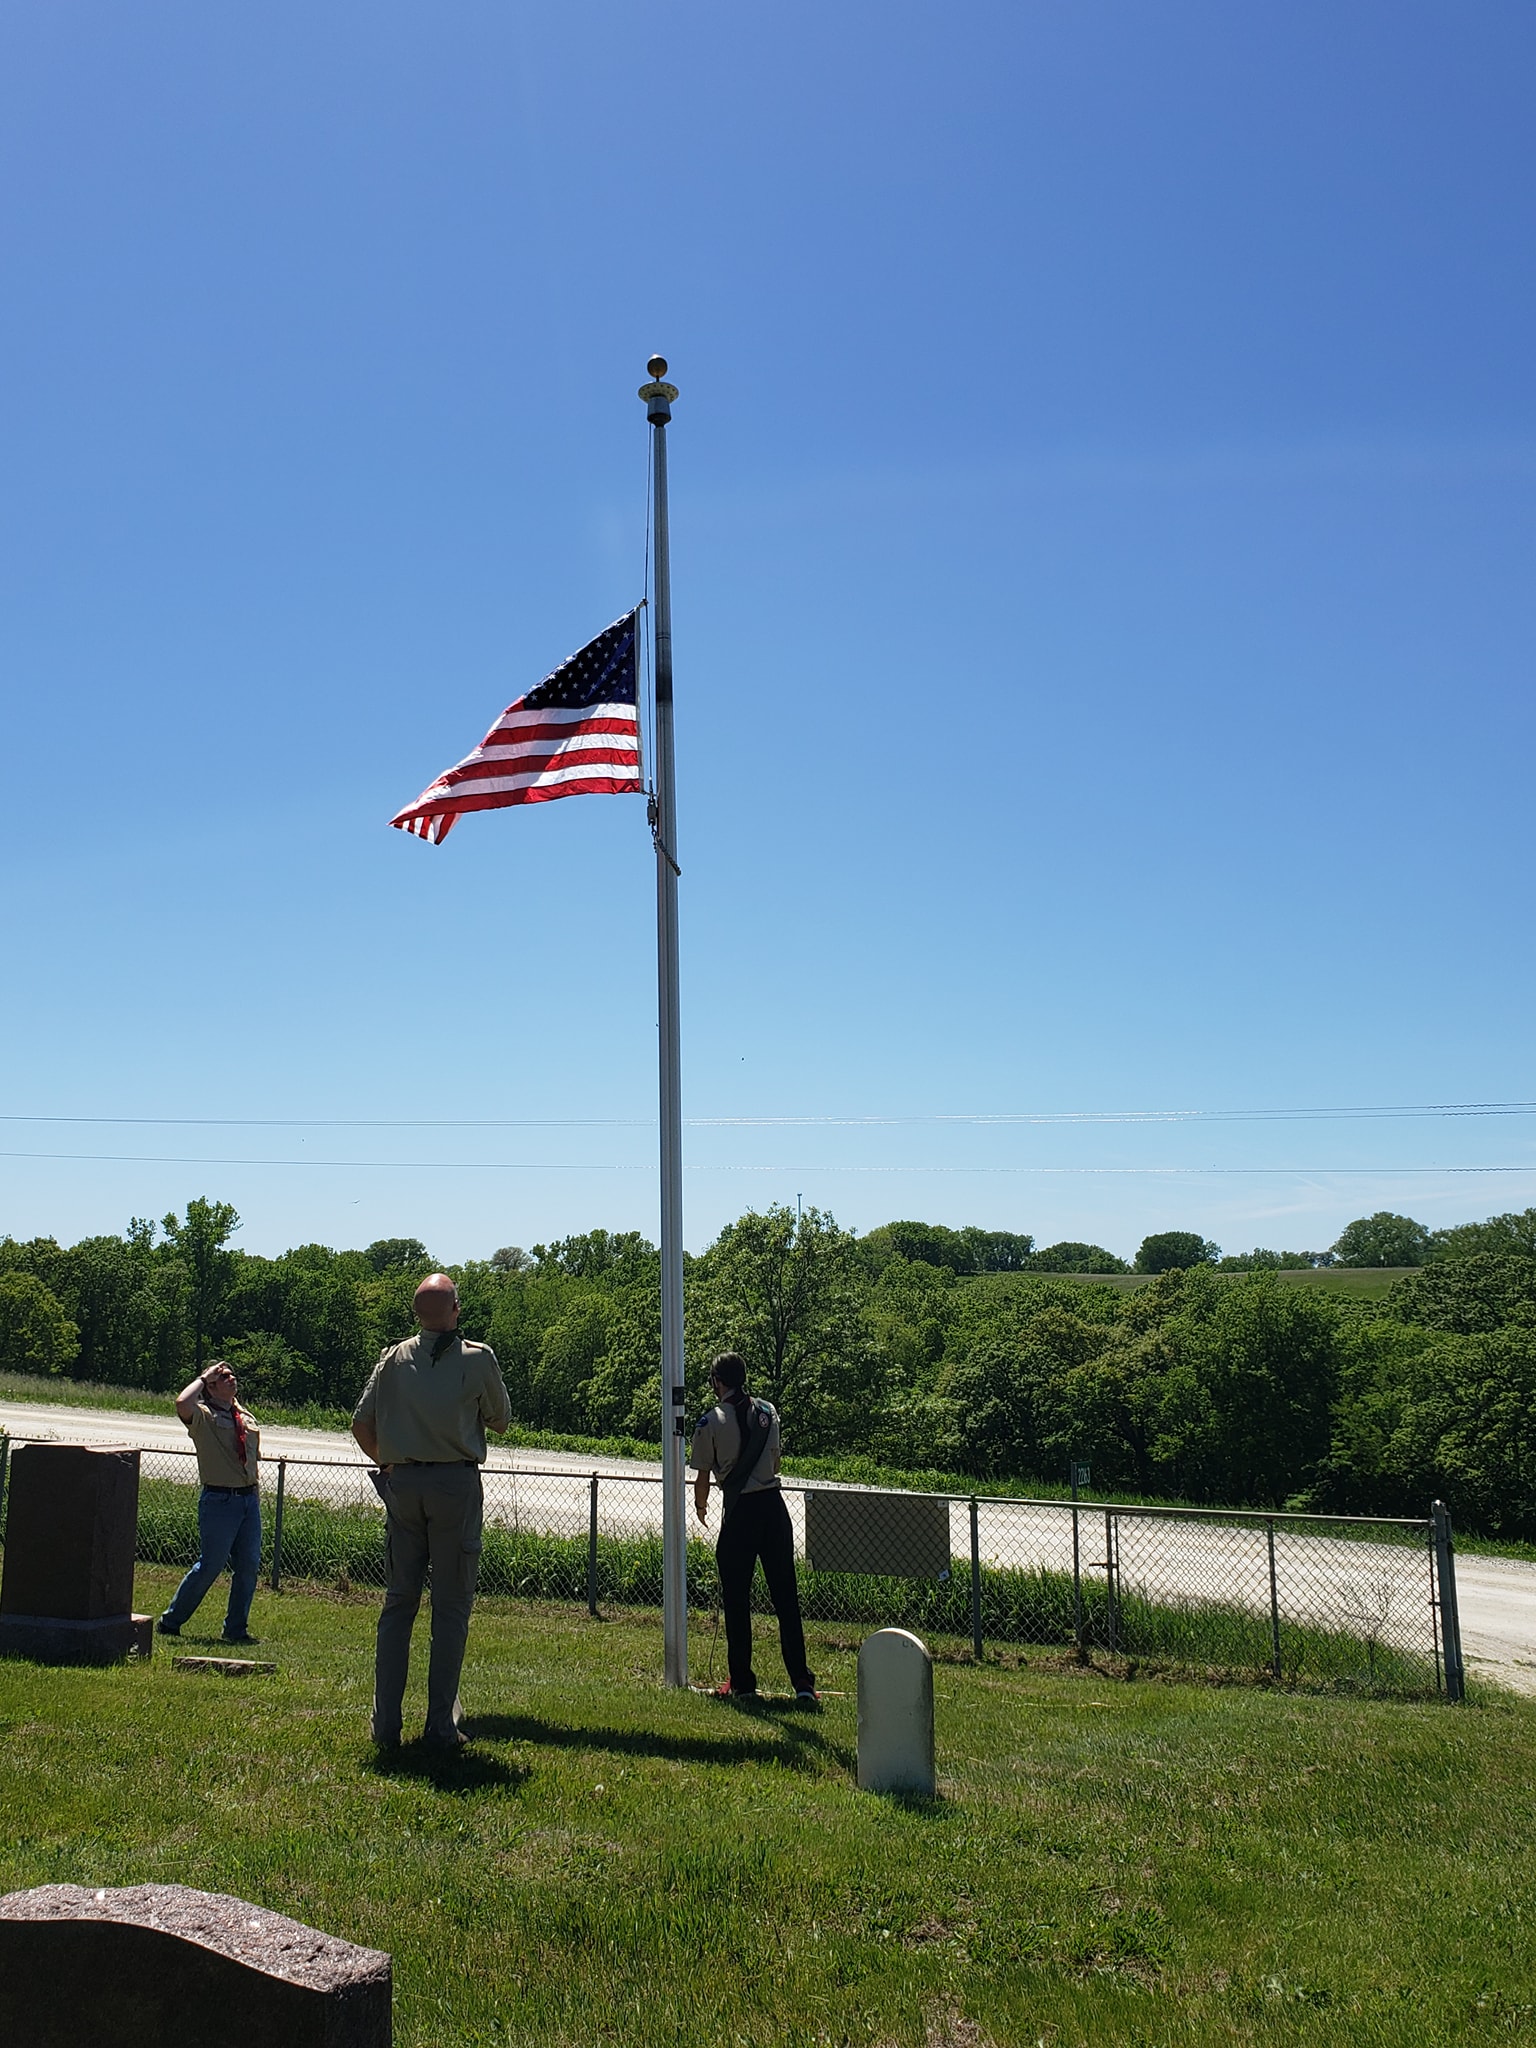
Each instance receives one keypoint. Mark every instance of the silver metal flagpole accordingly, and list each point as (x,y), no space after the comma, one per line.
(674,1542)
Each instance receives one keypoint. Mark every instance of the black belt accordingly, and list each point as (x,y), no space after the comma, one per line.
(439,1461)
(229,1489)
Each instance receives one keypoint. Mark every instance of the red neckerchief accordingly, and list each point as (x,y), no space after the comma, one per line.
(238,1420)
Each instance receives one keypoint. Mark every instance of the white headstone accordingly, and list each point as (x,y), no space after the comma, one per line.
(896,1714)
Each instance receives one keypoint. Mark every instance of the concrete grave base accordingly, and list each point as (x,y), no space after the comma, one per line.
(226,1667)
(52,1639)
(156,1963)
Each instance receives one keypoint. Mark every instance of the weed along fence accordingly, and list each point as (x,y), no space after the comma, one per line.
(1366,1603)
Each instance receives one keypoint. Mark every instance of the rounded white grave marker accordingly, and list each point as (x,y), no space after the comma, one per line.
(896,1714)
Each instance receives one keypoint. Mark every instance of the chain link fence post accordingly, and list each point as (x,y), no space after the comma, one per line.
(1110,1577)
(592,1550)
(1450,1616)
(1274,1604)
(1078,1629)
(976,1646)
(5,1465)
(277,1526)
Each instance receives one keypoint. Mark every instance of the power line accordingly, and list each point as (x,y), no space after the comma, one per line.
(933,1118)
(777,1167)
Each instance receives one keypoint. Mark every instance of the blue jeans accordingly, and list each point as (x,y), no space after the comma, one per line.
(229,1525)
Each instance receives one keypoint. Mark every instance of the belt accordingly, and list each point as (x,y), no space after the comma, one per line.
(229,1489)
(439,1461)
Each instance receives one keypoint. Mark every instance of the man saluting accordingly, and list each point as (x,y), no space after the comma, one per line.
(422,1418)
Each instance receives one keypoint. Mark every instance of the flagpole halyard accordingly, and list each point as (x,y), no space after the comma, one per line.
(674,1563)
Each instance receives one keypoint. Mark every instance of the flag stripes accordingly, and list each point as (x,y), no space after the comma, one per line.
(575,734)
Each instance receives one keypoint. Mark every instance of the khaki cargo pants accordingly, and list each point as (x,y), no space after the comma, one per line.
(434,1521)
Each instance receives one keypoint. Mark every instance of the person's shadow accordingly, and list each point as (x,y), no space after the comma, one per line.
(447,1770)
(790,1738)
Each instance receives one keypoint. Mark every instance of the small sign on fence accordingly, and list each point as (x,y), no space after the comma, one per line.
(884,1535)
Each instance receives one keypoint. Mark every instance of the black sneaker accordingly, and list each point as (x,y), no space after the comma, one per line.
(239,1639)
(166,1628)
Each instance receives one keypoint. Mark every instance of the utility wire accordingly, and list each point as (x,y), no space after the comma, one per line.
(794,1122)
(612,1166)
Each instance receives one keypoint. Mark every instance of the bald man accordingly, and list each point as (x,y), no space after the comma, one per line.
(422,1419)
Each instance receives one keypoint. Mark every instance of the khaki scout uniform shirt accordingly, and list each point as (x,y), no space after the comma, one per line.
(434,1414)
(212,1431)
(717,1446)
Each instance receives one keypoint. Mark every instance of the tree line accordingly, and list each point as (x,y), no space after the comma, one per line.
(914,1345)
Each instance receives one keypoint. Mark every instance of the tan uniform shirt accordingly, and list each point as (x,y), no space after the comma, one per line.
(434,1414)
(212,1431)
(717,1446)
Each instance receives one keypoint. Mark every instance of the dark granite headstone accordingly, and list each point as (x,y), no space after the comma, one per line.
(71,1518)
(71,1526)
(156,1963)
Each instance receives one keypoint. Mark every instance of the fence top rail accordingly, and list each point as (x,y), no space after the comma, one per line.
(1417,1525)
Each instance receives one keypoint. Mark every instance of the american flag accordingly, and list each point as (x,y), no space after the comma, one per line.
(576,734)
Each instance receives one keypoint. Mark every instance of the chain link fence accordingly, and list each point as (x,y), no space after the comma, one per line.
(1352,1602)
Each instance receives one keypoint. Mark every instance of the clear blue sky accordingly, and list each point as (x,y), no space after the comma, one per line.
(1103,510)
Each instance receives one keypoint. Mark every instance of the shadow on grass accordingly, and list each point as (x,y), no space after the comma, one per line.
(800,1744)
(457,1771)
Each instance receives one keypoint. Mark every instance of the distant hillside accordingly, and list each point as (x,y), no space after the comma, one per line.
(1358,1282)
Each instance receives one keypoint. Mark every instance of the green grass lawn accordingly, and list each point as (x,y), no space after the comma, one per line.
(1108,1863)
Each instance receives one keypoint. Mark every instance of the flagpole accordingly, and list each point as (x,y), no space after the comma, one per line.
(674,1542)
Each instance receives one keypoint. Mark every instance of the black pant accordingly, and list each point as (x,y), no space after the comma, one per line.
(758,1527)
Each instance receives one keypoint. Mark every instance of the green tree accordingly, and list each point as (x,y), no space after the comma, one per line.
(269,1369)
(789,1294)
(36,1336)
(1513,1232)
(1004,1383)
(1383,1240)
(925,1244)
(1071,1257)
(910,1310)
(399,1255)
(616,1257)
(1252,1369)
(1261,1261)
(1174,1251)
(1429,1413)
(996,1251)
(1476,1294)
(198,1240)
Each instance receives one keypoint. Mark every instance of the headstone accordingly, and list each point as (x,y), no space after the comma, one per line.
(153,1963)
(896,1715)
(66,1592)
(887,1535)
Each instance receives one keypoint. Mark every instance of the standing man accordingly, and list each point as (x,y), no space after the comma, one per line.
(228,1446)
(738,1441)
(422,1419)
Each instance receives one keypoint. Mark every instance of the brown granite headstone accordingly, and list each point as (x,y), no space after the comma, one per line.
(66,1593)
(155,1963)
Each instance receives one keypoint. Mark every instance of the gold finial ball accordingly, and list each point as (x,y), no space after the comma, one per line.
(657,366)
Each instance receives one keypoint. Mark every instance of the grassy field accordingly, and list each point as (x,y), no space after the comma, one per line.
(1108,1863)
